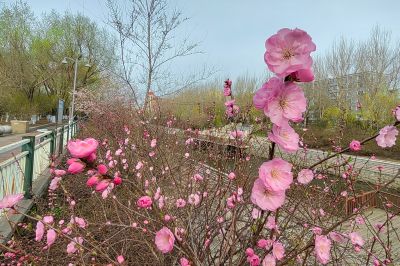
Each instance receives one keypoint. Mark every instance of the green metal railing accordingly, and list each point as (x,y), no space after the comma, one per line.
(27,159)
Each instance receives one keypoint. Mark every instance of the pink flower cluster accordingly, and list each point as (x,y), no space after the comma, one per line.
(288,56)
(231,108)
(227,87)
(9,201)
(83,154)
(268,191)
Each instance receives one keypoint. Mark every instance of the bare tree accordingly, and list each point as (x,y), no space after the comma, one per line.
(352,73)
(146,29)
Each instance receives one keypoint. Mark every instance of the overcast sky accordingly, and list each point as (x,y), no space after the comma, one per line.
(232,32)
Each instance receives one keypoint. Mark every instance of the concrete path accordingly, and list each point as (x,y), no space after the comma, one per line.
(369,170)
(8,139)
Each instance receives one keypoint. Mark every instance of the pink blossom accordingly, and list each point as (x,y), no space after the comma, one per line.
(139,165)
(265,198)
(356,239)
(255,213)
(337,237)
(229,103)
(317,230)
(305,176)
(118,152)
(249,252)
(10,255)
(167,218)
(107,191)
(161,202)
(165,240)
(268,260)
(194,199)
(322,249)
(51,237)
(59,172)
(271,224)
(287,104)
(278,250)
(153,143)
(80,222)
(267,91)
(184,261)
(189,141)
(387,136)
(102,169)
(54,183)
(72,160)
(102,185)
(117,180)
(71,247)
(197,177)
(262,243)
(82,148)
(230,202)
(39,231)
(92,181)
(237,134)
(227,83)
(231,175)
(10,201)
(285,136)
(48,219)
(254,260)
(227,91)
(288,51)
(157,194)
(207,243)
(276,174)
(91,158)
(303,75)
(144,202)
(76,167)
(120,259)
(180,203)
(355,145)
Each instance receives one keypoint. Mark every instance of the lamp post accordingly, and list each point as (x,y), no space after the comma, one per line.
(64,61)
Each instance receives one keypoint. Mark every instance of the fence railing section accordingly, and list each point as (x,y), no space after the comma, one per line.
(365,199)
(29,158)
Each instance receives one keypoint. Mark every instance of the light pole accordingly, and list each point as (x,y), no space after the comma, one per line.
(64,61)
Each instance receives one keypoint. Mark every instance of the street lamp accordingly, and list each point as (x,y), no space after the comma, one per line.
(65,61)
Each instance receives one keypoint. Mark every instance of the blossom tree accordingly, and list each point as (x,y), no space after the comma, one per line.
(140,190)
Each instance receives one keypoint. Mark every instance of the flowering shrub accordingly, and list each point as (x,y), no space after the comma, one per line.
(141,191)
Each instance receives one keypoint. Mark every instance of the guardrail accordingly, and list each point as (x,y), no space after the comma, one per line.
(30,157)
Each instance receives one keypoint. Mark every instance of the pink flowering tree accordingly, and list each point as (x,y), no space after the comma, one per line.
(139,190)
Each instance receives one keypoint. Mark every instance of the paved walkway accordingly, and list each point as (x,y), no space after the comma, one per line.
(388,236)
(8,139)
(369,170)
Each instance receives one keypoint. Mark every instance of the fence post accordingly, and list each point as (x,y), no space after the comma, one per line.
(61,148)
(75,128)
(29,163)
(52,143)
(72,130)
(67,134)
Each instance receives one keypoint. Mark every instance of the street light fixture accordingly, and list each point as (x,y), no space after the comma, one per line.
(65,61)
